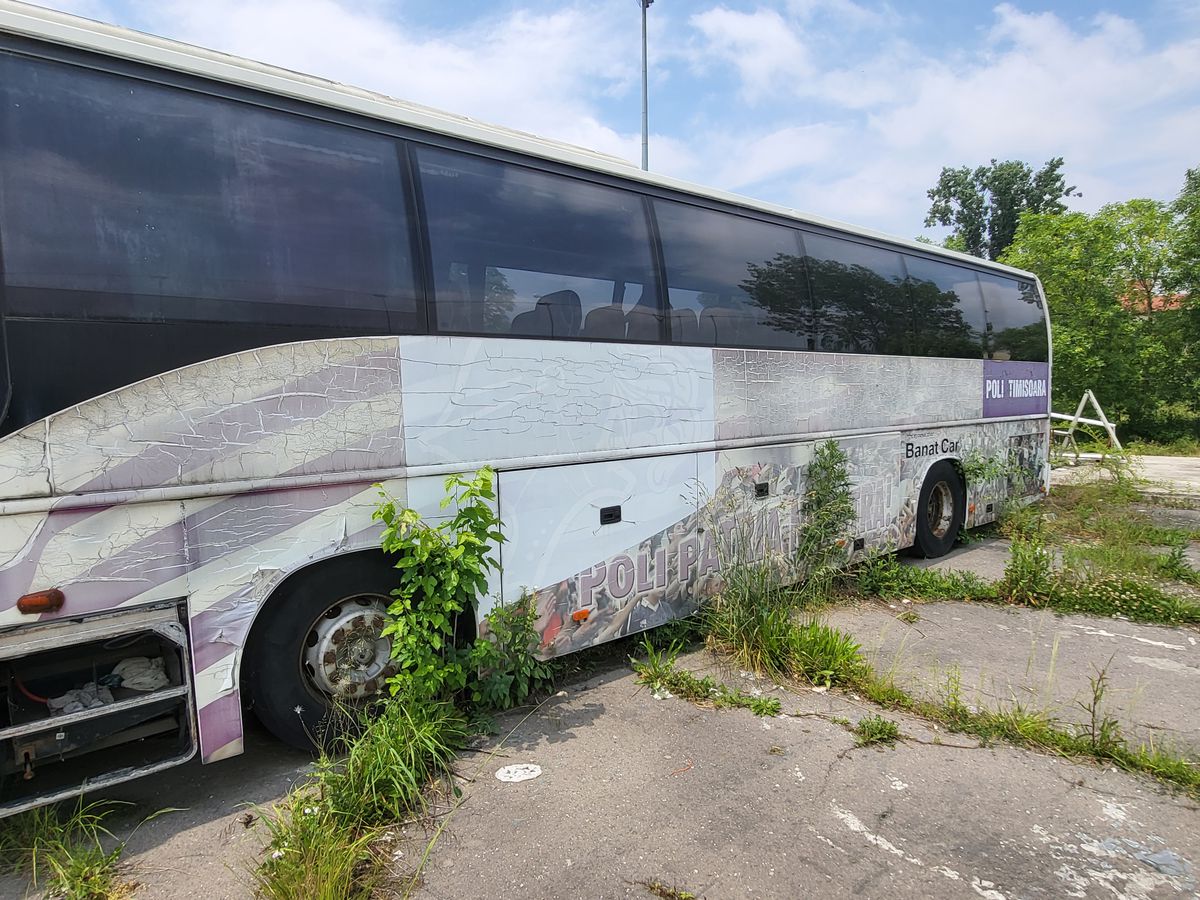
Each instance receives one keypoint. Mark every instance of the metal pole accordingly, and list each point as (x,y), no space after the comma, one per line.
(645,5)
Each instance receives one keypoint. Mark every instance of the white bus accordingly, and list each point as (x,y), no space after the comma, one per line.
(235,299)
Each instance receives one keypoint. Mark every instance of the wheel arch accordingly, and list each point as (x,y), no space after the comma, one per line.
(278,592)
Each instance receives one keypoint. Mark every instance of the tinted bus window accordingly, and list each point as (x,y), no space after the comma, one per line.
(733,281)
(947,307)
(1016,320)
(860,293)
(129,201)
(517,251)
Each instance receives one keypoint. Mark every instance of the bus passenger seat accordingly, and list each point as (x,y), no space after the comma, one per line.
(683,326)
(642,324)
(533,323)
(565,312)
(720,325)
(607,322)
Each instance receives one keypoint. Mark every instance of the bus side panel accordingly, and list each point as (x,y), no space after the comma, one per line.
(762,393)
(294,409)
(101,557)
(474,400)
(1016,451)
(592,543)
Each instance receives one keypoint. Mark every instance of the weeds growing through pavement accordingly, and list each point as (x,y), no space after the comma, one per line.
(883,575)
(62,850)
(876,730)
(659,672)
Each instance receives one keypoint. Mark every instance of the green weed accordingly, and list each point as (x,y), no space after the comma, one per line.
(386,768)
(506,658)
(62,850)
(1129,596)
(1028,574)
(1099,738)
(876,730)
(883,575)
(666,891)
(316,854)
(822,654)
(660,673)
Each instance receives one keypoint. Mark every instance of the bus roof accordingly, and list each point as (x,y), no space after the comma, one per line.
(73,31)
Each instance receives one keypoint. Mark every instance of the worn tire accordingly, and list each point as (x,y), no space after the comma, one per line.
(281,692)
(941,510)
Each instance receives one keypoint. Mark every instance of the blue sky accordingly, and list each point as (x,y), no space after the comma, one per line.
(844,108)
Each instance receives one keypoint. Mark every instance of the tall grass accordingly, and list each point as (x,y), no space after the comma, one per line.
(323,833)
(62,850)
(764,617)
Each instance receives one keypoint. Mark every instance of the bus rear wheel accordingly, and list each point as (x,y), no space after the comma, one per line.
(319,651)
(940,510)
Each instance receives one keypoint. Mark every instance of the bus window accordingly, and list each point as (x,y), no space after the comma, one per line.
(859,292)
(148,203)
(552,252)
(948,308)
(733,281)
(1016,320)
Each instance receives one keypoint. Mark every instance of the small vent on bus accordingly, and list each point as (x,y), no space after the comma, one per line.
(859,543)
(762,489)
(989,507)
(610,515)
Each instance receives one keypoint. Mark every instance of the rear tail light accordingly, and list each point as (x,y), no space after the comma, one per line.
(41,602)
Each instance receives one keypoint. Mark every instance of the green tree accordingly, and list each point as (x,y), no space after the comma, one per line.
(1185,249)
(984,205)
(1076,257)
(1102,275)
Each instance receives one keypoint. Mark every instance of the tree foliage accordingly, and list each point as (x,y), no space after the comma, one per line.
(1122,288)
(984,205)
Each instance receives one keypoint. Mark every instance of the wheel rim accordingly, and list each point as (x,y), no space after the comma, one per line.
(940,510)
(345,654)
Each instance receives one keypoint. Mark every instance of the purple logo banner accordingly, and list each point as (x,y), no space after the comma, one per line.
(1015,388)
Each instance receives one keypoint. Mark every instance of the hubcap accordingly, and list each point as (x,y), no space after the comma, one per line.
(345,653)
(940,511)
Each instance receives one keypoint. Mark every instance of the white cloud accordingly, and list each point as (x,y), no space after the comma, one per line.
(761,45)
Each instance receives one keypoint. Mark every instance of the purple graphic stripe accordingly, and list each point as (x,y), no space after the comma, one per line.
(220,723)
(187,444)
(221,630)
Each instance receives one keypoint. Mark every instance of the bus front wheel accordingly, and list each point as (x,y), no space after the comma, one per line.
(318,650)
(940,510)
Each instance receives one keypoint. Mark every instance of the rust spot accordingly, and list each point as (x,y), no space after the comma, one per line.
(581,615)
(371,686)
(971,508)
(338,637)
(330,658)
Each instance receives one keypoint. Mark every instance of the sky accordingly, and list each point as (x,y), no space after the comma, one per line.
(847,109)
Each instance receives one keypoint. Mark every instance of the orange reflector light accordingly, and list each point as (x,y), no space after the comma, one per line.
(580,615)
(41,602)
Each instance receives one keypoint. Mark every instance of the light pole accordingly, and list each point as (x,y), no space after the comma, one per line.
(645,5)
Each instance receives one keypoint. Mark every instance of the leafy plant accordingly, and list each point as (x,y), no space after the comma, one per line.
(314,854)
(827,517)
(883,575)
(822,654)
(443,571)
(505,658)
